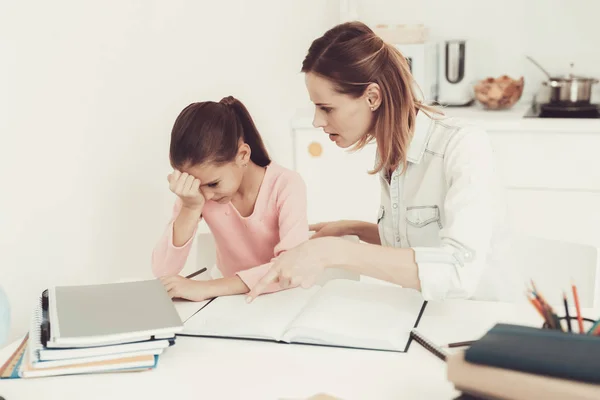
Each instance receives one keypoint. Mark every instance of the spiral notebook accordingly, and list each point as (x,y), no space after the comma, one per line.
(428,344)
(106,314)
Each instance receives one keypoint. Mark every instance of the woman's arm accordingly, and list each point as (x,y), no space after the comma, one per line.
(303,264)
(451,270)
(474,206)
(386,263)
(366,231)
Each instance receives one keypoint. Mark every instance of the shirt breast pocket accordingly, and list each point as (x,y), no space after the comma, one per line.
(423,224)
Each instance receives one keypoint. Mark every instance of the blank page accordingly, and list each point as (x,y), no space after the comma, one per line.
(357,314)
(186,309)
(265,318)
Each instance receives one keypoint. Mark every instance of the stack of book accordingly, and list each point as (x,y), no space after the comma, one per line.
(519,362)
(118,327)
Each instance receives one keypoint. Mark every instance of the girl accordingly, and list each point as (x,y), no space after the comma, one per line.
(255,209)
(442,208)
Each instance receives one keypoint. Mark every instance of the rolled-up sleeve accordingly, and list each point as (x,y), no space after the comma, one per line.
(454,269)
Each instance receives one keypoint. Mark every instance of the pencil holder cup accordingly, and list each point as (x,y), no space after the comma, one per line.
(587,324)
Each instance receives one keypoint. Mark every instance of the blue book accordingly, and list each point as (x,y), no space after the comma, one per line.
(539,351)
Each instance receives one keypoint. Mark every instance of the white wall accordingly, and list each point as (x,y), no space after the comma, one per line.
(88,94)
(554,32)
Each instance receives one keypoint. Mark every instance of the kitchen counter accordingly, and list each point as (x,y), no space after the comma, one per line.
(495,120)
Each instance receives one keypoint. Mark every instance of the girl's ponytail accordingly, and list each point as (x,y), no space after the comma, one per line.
(211,132)
(259,154)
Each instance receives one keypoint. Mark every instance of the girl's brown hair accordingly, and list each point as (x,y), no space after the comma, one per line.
(210,132)
(352,56)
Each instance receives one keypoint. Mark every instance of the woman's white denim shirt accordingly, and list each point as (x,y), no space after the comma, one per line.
(449,207)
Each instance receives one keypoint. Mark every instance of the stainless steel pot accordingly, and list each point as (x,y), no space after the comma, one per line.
(568,90)
(571,89)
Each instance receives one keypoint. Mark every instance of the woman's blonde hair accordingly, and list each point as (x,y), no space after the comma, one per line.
(352,56)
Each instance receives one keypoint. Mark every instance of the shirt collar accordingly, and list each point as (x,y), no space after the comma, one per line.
(421,134)
(418,143)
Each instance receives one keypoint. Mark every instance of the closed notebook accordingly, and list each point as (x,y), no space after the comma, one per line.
(19,365)
(539,351)
(342,313)
(123,364)
(497,383)
(106,314)
(84,352)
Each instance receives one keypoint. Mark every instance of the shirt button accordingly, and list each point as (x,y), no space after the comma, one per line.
(395,205)
(397,238)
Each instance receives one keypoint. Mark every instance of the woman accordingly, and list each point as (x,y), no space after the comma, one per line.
(441,207)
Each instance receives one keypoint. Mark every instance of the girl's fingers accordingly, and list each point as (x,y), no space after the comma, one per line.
(195,187)
(187,187)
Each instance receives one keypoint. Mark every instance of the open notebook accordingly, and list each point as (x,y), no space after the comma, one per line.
(341,313)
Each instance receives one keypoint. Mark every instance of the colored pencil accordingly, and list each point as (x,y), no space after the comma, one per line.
(567,312)
(577,307)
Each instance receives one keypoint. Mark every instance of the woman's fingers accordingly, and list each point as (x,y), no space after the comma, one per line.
(317,227)
(261,286)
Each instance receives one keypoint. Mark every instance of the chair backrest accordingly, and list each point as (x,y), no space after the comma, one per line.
(206,253)
(554,264)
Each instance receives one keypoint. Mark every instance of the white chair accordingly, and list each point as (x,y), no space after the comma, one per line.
(206,254)
(554,264)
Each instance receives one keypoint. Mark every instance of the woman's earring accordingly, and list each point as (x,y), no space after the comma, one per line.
(372,108)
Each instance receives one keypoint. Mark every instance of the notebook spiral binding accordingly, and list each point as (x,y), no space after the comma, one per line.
(423,341)
(39,329)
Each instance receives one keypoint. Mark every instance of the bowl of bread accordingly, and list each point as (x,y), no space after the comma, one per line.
(499,93)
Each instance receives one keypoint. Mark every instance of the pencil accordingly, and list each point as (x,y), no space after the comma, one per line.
(554,321)
(594,328)
(549,315)
(538,294)
(537,306)
(190,276)
(567,312)
(461,344)
(540,310)
(577,307)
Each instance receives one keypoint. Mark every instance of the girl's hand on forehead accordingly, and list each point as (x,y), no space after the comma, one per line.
(187,188)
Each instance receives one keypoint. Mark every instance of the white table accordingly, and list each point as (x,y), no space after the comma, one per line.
(232,369)
(236,369)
